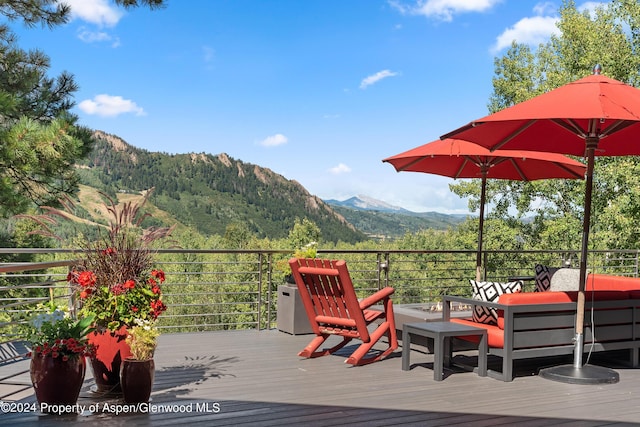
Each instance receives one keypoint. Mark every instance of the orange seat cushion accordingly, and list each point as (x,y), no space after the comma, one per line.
(555,297)
(608,282)
(495,335)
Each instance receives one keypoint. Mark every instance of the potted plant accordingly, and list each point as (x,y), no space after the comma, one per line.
(310,250)
(291,316)
(59,345)
(114,281)
(137,371)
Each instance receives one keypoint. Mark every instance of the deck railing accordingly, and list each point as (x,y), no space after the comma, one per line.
(237,289)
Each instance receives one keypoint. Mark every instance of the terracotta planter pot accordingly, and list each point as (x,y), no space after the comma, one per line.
(111,350)
(136,380)
(55,381)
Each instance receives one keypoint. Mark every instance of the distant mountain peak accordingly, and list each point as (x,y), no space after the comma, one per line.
(362,202)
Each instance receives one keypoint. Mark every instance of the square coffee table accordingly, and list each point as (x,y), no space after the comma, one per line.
(440,333)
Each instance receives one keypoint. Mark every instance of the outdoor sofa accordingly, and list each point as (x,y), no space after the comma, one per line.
(540,324)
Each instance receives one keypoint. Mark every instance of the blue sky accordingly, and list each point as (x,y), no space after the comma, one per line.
(317,91)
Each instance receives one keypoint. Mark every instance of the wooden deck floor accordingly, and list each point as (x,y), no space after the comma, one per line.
(256,378)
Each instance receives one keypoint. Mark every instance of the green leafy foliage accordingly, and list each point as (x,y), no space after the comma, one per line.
(607,35)
(378,224)
(142,339)
(41,139)
(53,332)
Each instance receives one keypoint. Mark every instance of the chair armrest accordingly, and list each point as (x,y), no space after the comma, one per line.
(377,297)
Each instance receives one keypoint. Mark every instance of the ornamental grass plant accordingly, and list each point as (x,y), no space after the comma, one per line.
(114,281)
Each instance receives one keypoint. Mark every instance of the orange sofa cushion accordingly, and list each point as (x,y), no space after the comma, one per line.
(495,335)
(550,297)
(608,282)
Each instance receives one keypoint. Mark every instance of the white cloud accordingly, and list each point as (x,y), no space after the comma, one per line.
(375,78)
(89,36)
(591,6)
(110,106)
(545,8)
(443,9)
(530,31)
(340,169)
(99,12)
(274,140)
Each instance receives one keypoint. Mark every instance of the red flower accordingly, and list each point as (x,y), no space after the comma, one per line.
(158,274)
(129,284)
(86,279)
(118,289)
(134,309)
(109,251)
(156,289)
(84,294)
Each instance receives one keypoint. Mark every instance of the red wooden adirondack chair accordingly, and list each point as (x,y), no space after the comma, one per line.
(333,309)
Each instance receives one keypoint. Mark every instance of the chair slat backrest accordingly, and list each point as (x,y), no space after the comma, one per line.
(328,295)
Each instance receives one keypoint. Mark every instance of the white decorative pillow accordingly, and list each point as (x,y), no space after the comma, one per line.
(543,277)
(490,292)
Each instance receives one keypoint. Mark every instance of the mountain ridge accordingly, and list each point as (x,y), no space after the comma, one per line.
(379,219)
(211,192)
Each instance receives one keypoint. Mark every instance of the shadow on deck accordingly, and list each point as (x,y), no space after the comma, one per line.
(256,378)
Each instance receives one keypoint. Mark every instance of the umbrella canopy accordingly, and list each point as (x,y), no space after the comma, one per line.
(461,159)
(595,114)
(560,121)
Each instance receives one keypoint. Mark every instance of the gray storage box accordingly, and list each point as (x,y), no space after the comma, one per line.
(292,318)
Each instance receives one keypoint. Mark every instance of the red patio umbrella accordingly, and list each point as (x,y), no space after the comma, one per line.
(462,159)
(595,114)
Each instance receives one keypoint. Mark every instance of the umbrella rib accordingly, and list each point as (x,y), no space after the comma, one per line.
(512,135)
(615,127)
(519,170)
(461,168)
(571,126)
(568,170)
(408,165)
(485,165)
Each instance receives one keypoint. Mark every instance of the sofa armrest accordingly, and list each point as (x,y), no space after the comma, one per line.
(448,299)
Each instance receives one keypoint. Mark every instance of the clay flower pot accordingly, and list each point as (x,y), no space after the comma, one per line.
(110,350)
(136,380)
(57,381)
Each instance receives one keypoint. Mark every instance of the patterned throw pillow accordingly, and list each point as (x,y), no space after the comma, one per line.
(543,277)
(490,291)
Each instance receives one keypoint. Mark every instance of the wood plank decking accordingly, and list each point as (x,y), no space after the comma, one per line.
(256,378)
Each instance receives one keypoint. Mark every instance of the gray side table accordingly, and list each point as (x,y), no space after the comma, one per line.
(440,332)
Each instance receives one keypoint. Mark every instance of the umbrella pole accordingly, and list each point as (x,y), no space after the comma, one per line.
(481,227)
(579,373)
(592,143)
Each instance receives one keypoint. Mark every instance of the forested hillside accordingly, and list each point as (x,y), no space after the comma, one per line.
(210,192)
(383,224)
